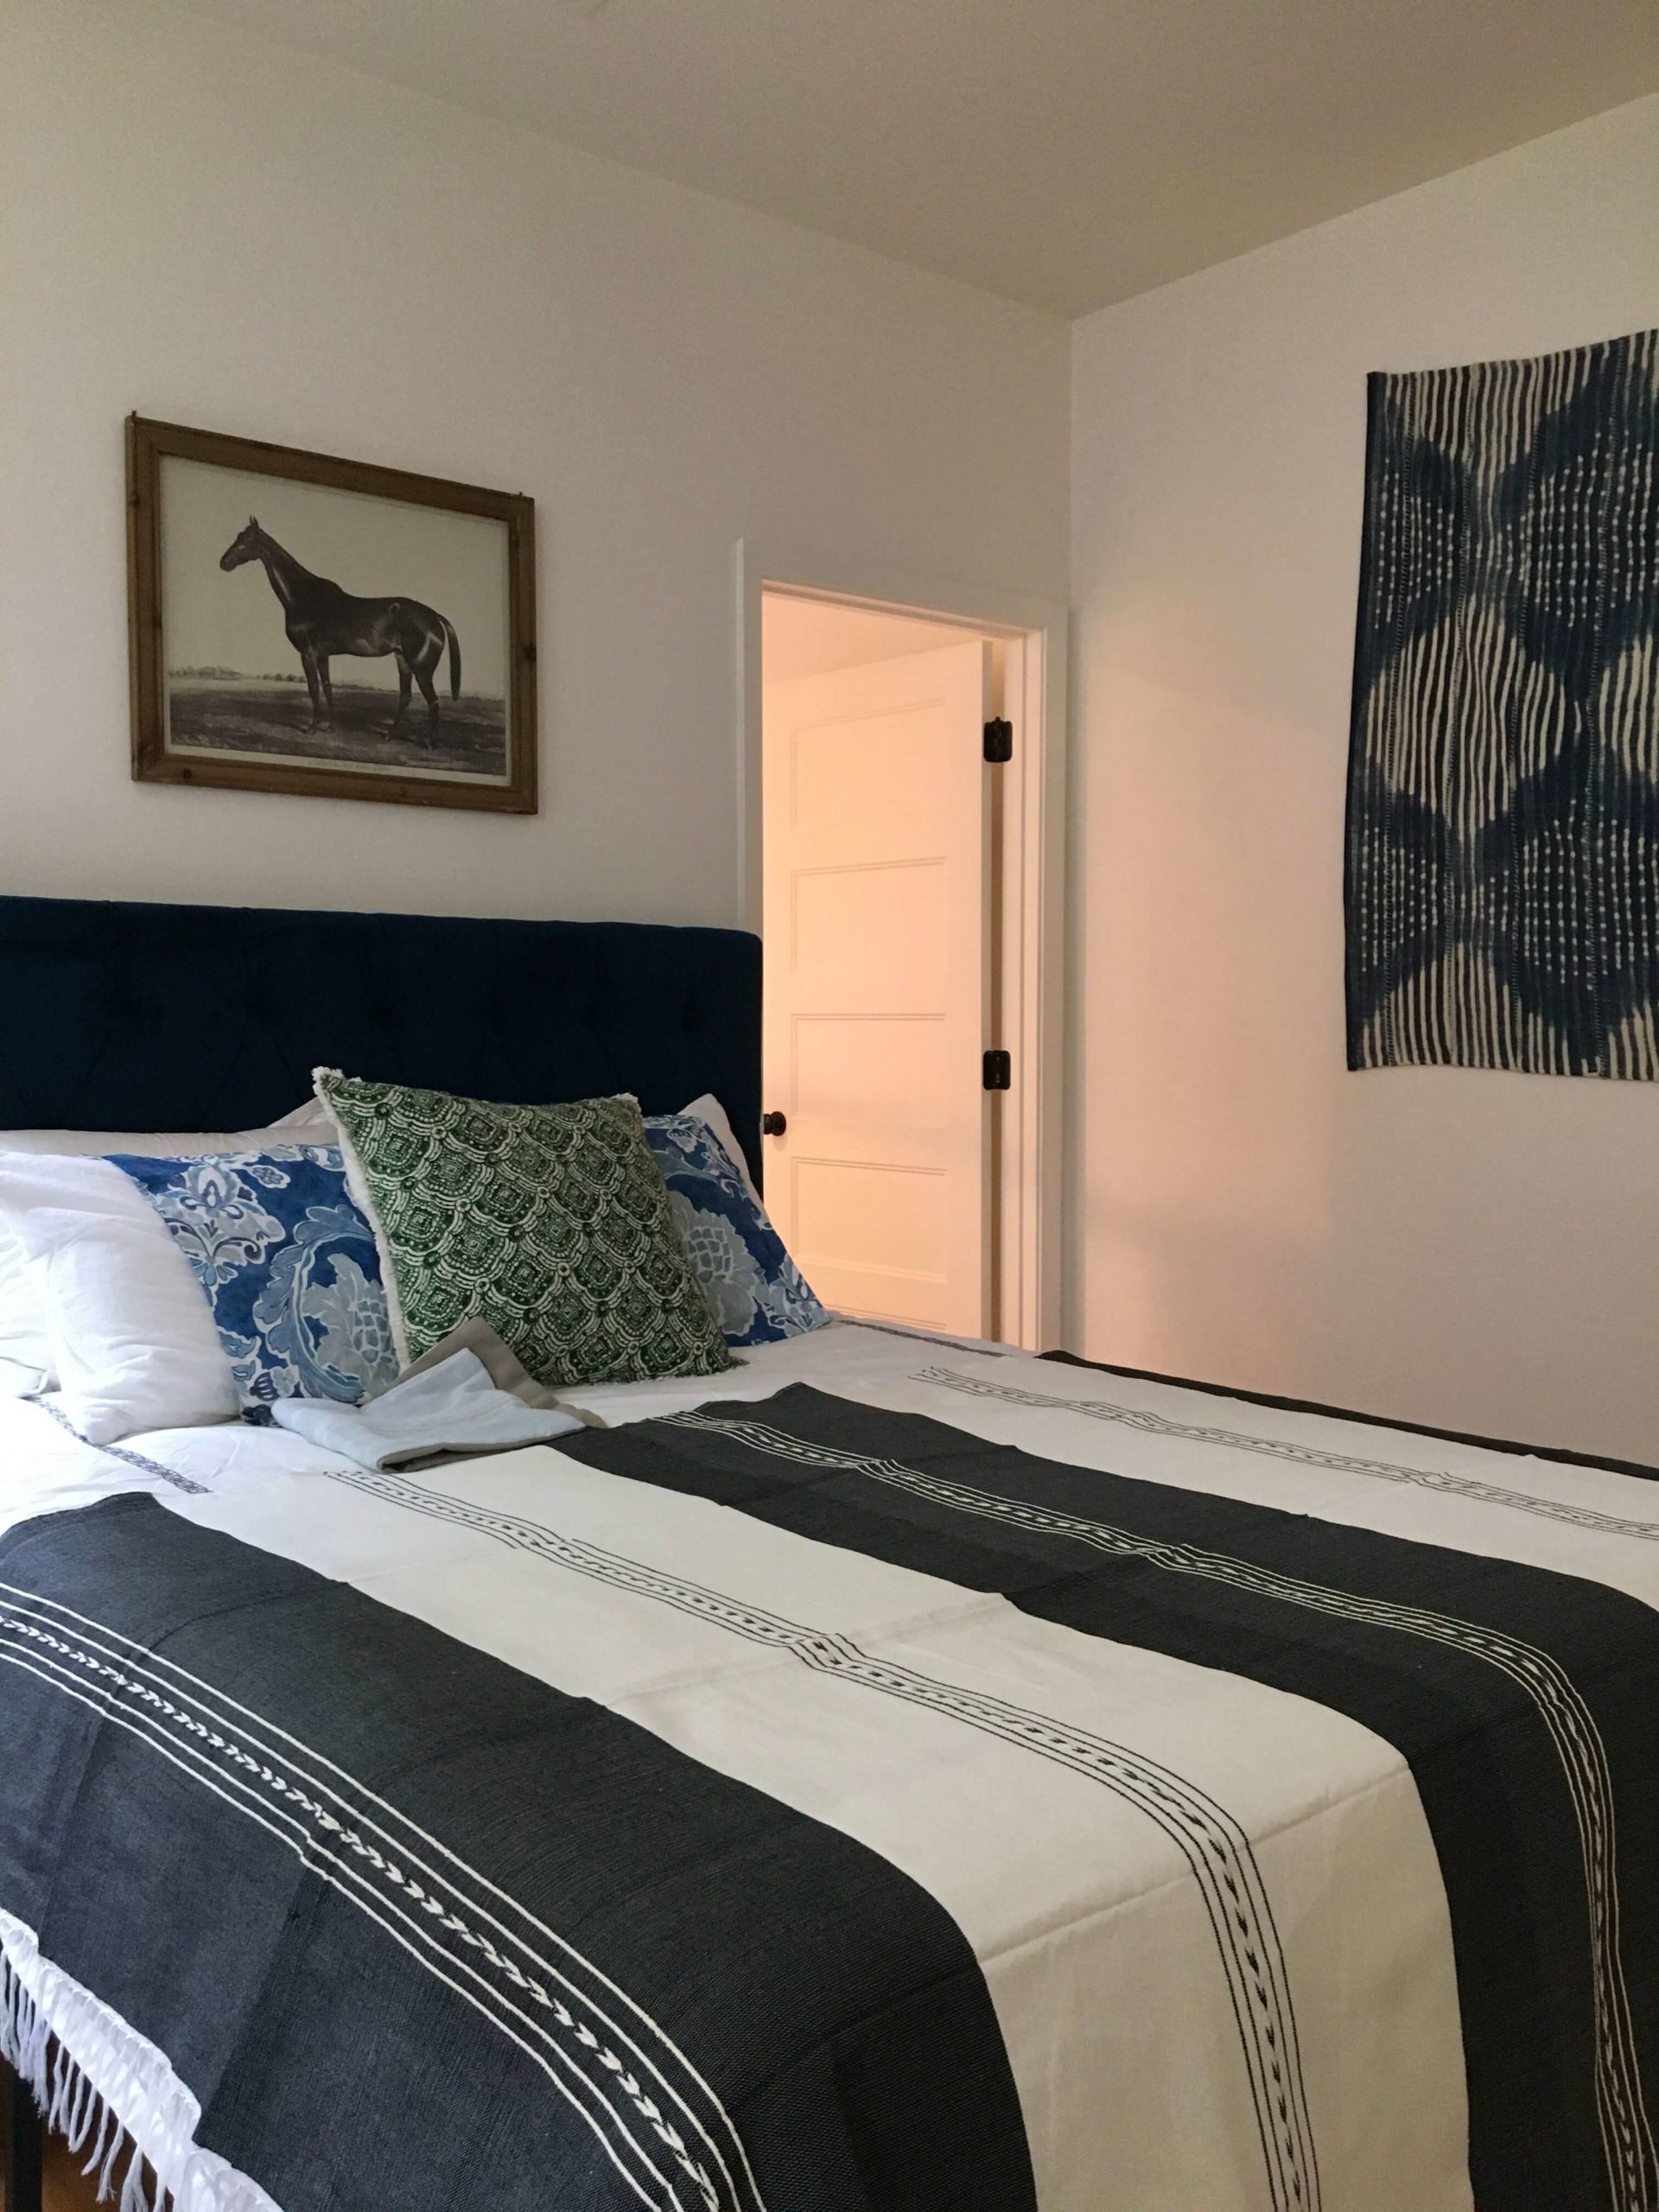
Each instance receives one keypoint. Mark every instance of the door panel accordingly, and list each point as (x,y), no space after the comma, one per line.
(886,1077)
(848,921)
(873,777)
(879,1236)
(877,840)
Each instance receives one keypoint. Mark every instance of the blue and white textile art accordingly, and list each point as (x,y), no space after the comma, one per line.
(757,1291)
(1502,866)
(288,1265)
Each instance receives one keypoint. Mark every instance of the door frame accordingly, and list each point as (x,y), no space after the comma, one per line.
(1032,848)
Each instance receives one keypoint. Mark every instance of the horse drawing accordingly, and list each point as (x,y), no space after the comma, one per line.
(321,619)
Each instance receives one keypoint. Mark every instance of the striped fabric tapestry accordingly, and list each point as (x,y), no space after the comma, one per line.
(1502,858)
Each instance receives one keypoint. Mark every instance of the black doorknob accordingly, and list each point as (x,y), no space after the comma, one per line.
(773,1125)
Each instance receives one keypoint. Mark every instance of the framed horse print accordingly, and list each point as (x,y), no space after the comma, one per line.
(303,624)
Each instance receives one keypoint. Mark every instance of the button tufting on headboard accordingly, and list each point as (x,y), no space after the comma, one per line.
(158,1017)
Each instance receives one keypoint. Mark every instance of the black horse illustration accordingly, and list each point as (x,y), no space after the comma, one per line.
(320,619)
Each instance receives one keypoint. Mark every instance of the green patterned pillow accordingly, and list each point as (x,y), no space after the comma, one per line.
(551,1222)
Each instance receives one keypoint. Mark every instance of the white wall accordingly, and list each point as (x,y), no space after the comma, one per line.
(1476,1251)
(220,232)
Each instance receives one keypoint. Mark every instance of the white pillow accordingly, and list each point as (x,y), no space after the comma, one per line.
(133,1339)
(309,1123)
(25,1331)
(24,1343)
(18,1382)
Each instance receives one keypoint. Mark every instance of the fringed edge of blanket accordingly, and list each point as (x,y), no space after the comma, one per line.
(108,2091)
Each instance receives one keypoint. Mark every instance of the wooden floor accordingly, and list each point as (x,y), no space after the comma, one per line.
(64,2188)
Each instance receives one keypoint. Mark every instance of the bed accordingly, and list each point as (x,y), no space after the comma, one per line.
(897,1775)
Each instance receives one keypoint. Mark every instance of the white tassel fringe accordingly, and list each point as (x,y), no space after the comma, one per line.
(108,2091)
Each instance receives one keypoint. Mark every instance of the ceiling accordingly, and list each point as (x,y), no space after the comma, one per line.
(1064,152)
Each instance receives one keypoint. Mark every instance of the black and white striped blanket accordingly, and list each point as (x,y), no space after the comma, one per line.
(811,1805)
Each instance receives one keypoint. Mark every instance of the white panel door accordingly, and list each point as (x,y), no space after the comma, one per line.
(877,925)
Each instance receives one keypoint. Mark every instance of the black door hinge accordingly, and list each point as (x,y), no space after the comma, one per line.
(999,1072)
(999,741)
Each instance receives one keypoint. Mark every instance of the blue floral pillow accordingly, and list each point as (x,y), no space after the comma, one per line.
(287,1264)
(757,1290)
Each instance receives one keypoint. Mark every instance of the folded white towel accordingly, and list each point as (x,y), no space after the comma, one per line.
(451,1407)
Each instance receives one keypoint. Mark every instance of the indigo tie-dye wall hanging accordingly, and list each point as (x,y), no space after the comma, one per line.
(1503,867)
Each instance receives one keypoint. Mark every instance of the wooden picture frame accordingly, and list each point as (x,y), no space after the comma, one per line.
(330,708)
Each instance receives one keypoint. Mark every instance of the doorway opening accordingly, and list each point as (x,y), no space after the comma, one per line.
(903,844)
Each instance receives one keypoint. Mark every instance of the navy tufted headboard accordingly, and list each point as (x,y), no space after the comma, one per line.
(153,1017)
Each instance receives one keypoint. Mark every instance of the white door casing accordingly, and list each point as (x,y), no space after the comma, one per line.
(876,838)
